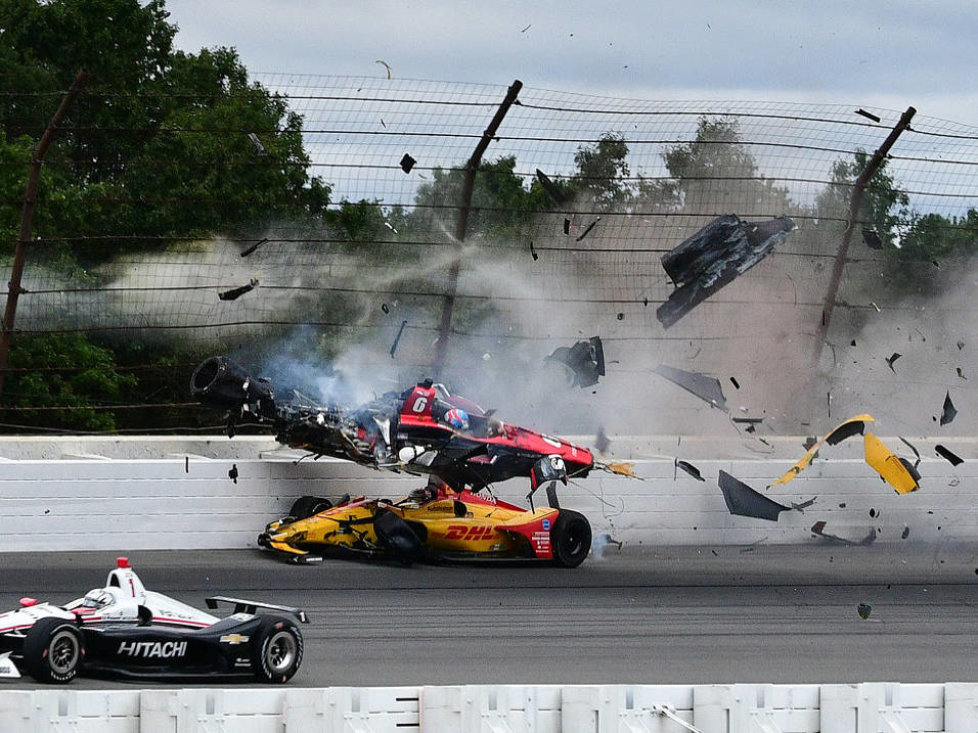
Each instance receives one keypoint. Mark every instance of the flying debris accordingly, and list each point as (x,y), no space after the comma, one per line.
(407,163)
(871,238)
(257,143)
(742,500)
(864,609)
(584,361)
(233,472)
(892,358)
(713,257)
(819,529)
(390,226)
(912,447)
(236,293)
(961,373)
(587,229)
(386,66)
(898,472)
(706,388)
(533,252)
(253,247)
(867,115)
(953,458)
(734,382)
(690,469)
(803,505)
(601,441)
(853,426)
(554,192)
(567,225)
(397,339)
(948,413)
(384,307)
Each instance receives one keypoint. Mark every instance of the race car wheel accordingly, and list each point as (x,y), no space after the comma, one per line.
(570,539)
(306,506)
(53,651)
(277,650)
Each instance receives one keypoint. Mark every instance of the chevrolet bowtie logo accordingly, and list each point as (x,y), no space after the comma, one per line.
(234,639)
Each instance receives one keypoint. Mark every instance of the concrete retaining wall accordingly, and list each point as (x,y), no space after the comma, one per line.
(93,501)
(753,708)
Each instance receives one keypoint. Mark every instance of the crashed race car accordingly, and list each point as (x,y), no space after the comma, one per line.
(122,629)
(433,523)
(423,430)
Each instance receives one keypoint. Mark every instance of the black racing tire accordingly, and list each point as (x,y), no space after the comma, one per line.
(306,506)
(570,538)
(276,650)
(54,651)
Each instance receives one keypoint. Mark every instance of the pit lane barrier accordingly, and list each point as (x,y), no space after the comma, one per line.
(148,495)
(739,708)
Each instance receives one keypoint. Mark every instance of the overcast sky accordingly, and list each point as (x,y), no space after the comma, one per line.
(888,53)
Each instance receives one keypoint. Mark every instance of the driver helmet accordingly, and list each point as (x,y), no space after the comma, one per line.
(458,419)
(97,598)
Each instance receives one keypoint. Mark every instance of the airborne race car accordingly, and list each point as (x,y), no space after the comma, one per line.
(126,630)
(432,523)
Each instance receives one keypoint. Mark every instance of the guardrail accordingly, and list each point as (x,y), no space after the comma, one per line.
(748,708)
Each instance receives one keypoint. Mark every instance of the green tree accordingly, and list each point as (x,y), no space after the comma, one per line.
(602,173)
(715,174)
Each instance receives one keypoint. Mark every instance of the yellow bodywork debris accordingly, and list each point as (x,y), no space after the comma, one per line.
(889,466)
(840,432)
(621,469)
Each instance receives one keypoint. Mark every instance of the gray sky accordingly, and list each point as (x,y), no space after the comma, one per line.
(887,53)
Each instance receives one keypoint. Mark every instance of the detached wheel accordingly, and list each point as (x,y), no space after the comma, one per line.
(53,651)
(306,506)
(570,538)
(276,651)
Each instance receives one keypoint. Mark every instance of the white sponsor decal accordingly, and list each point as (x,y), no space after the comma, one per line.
(153,649)
(8,668)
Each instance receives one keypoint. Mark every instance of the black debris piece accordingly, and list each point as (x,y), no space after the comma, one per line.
(853,342)
(845,430)
(706,388)
(690,469)
(913,448)
(407,163)
(892,358)
(948,413)
(961,373)
(867,115)
(384,307)
(960,345)
(748,420)
(735,383)
(871,238)
(553,191)
(742,500)
(905,533)
(397,338)
(253,247)
(953,458)
(233,473)
(587,229)
(645,302)
(872,513)
(842,505)
(533,252)
(601,441)
(567,225)
(584,361)
(803,505)
(713,257)
(819,529)
(621,316)
(864,609)
(810,441)
(235,293)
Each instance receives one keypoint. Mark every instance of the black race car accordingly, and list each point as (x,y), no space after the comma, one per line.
(123,629)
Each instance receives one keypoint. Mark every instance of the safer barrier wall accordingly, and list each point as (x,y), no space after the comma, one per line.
(754,708)
(187,500)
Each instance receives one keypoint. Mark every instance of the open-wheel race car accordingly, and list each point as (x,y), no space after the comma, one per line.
(125,630)
(433,523)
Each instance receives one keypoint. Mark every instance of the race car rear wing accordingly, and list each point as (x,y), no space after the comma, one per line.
(242,606)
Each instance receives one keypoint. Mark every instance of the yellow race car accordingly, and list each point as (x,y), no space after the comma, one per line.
(433,523)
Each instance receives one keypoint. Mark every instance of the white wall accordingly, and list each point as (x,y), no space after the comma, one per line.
(188,500)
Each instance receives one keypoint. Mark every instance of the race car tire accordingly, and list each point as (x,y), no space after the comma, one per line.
(276,651)
(53,651)
(570,539)
(306,506)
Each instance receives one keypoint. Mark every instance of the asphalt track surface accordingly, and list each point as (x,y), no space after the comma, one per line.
(676,615)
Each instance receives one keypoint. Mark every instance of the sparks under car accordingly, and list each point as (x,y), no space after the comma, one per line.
(125,630)
(433,523)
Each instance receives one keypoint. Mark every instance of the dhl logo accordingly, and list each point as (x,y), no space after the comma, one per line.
(476,533)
